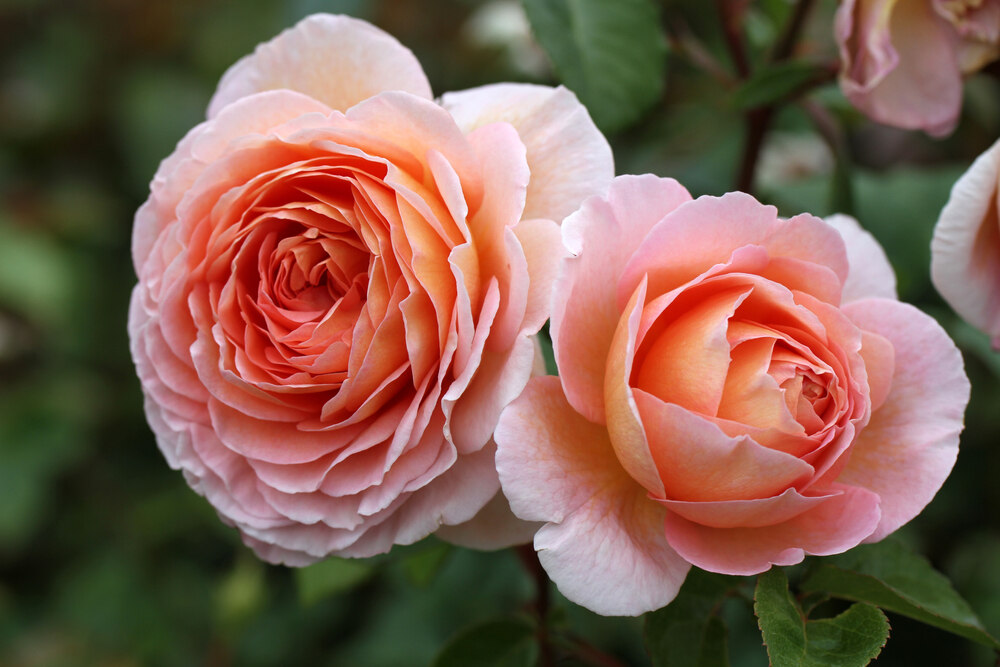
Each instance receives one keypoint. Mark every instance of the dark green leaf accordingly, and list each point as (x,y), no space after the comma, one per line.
(330,577)
(888,575)
(501,643)
(687,632)
(422,566)
(777,82)
(851,639)
(611,54)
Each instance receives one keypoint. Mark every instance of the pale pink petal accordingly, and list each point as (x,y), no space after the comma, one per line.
(603,543)
(899,64)
(965,251)
(495,527)
(908,448)
(870,274)
(569,158)
(880,366)
(337,60)
(601,236)
(831,527)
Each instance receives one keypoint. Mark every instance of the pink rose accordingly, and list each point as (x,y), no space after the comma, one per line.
(736,390)
(902,61)
(339,283)
(965,251)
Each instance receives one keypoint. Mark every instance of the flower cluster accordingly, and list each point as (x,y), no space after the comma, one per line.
(341,281)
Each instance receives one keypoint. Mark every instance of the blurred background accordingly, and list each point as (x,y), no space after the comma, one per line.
(108,558)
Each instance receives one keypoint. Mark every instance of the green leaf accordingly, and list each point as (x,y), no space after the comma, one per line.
(611,54)
(501,643)
(687,632)
(421,567)
(330,577)
(889,576)
(852,639)
(775,83)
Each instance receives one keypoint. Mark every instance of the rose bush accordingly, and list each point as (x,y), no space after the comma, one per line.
(902,61)
(339,283)
(736,390)
(965,251)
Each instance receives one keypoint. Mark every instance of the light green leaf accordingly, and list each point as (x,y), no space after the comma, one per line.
(611,54)
(890,576)
(501,643)
(687,632)
(852,639)
(330,577)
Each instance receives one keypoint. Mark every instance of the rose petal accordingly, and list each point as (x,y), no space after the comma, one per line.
(569,157)
(603,543)
(495,527)
(965,251)
(601,236)
(908,448)
(834,526)
(329,58)
(698,462)
(870,274)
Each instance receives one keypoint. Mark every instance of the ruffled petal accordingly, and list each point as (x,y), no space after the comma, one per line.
(338,60)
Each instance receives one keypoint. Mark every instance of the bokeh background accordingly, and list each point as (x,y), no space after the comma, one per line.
(108,558)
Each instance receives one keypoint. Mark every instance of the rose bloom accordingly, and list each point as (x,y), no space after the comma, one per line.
(965,251)
(902,61)
(736,390)
(339,283)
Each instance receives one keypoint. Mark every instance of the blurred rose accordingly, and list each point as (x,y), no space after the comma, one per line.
(736,390)
(965,252)
(902,61)
(339,280)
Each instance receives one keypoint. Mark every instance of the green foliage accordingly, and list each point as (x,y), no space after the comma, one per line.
(774,83)
(851,639)
(509,642)
(611,54)
(689,631)
(330,577)
(888,575)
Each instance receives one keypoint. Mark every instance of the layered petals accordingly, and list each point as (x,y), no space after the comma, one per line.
(603,541)
(765,396)
(339,292)
(902,61)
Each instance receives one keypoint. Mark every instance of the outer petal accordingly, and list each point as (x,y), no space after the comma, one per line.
(909,446)
(965,251)
(603,544)
(337,60)
(869,273)
(495,527)
(569,157)
(705,232)
(836,525)
(602,236)
(899,64)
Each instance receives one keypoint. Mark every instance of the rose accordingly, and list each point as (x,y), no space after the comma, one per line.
(902,61)
(965,251)
(338,286)
(735,390)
